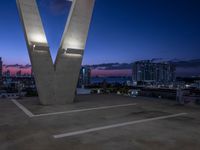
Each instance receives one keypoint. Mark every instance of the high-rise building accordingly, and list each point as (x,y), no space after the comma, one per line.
(1,71)
(84,77)
(154,72)
(19,73)
(1,66)
(7,73)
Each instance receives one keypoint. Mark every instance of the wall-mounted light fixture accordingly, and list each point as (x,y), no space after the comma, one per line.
(40,47)
(73,52)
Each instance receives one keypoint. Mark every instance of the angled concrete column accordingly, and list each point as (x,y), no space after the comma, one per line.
(38,49)
(56,83)
(72,47)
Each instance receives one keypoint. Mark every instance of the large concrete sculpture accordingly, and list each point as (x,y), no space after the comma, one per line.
(56,83)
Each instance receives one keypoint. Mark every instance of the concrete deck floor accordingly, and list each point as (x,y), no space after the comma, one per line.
(18,131)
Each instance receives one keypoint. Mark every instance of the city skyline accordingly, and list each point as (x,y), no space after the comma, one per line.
(133,31)
(184,68)
(100,74)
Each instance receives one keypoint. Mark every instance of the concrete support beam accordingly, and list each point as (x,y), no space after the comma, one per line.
(56,83)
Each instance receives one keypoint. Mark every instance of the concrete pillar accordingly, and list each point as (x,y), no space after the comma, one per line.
(56,83)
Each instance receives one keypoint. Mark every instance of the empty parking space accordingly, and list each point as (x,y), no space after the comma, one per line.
(115,123)
(31,115)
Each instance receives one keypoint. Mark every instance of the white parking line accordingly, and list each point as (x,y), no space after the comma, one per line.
(87,109)
(31,115)
(26,111)
(116,125)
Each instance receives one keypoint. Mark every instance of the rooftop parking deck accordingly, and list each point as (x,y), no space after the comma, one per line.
(99,122)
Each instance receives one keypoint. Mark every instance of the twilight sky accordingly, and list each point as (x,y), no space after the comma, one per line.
(121,30)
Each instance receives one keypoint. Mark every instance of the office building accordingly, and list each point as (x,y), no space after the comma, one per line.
(19,73)
(1,67)
(148,71)
(7,74)
(85,76)
(1,71)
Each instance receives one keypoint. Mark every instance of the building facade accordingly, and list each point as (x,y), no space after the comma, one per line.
(85,77)
(1,71)
(148,71)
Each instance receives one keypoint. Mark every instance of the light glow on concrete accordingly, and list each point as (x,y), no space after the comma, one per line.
(73,44)
(38,38)
(73,55)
